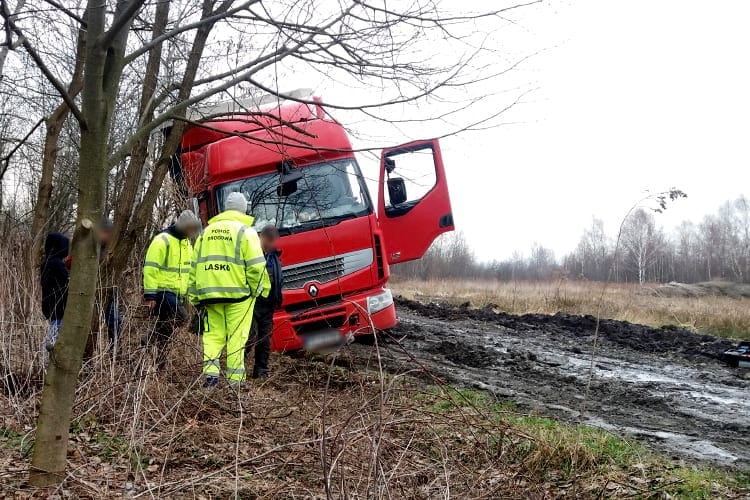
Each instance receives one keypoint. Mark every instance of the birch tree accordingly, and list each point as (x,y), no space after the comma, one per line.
(639,237)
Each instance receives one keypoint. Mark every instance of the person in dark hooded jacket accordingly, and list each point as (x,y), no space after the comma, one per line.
(54,279)
(111,310)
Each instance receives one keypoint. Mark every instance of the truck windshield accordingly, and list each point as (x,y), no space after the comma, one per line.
(327,194)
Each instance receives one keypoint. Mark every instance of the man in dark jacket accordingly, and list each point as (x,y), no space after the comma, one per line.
(262,326)
(111,312)
(54,279)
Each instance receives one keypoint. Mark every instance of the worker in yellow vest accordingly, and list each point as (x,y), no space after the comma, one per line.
(165,280)
(228,274)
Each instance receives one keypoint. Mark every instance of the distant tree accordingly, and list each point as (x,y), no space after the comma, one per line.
(734,219)
(591,259)
(460,257)
(712,243)
(542,262)
(449,257)
(687,253)
(640,241)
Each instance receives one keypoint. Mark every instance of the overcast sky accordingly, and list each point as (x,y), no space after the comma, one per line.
(632,95)
(626,96)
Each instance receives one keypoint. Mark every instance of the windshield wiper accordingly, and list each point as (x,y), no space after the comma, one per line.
(335,219)
(317,223)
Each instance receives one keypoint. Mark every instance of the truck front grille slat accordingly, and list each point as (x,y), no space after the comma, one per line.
(299,281)
(300,272)
(326,270)
(321,272)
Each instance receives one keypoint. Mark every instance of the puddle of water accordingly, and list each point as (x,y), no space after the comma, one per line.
(698,448)
(623,371)
(730,397)
(684,381)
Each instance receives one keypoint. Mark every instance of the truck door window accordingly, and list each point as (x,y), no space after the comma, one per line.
(416,168)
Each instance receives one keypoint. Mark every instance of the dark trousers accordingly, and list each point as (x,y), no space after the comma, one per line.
(170,315)
(114,318)
(260,336)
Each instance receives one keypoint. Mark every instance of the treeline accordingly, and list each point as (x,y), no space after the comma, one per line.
(718,247)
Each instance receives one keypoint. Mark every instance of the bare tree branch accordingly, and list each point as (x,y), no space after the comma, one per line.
(180,108)
(41,65)
(6,159)
(187,27)
(67,12)
(123,17)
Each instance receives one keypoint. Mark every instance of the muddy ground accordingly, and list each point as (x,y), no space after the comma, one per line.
(666,387)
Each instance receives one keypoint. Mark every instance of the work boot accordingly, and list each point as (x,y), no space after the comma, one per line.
(236,384)
(211,382)
(260,373)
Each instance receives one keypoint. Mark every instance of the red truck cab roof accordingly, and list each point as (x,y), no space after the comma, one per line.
(225,148)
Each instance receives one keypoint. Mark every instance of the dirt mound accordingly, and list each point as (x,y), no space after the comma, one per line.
(707,289)
(637,337)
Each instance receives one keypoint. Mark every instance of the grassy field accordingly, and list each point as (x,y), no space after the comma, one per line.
(721,316)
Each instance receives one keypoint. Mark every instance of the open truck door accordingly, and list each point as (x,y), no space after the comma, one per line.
(414,206)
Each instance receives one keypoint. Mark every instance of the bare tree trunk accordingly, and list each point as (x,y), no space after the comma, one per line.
(116,258)
(102,73)
(126,200)
(49,156)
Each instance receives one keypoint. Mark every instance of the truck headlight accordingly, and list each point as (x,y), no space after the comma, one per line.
(380,301)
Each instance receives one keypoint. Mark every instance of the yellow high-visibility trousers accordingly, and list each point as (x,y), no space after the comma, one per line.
(227,324)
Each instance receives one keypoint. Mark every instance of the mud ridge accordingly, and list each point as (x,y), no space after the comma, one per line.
(668,339)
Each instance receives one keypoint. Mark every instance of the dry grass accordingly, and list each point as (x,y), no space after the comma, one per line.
(716,315)
(322,426)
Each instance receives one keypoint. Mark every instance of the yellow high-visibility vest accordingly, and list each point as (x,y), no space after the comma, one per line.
(168,264)
(228,262)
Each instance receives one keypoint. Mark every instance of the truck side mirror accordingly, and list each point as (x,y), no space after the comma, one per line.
(396,191)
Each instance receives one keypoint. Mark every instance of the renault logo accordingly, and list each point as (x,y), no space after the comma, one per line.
(313,291)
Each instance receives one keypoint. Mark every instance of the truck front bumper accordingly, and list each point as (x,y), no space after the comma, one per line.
(353,315)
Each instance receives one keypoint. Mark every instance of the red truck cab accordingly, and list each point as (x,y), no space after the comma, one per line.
(296,166)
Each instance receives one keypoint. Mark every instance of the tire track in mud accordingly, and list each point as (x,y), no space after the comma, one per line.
(664,386)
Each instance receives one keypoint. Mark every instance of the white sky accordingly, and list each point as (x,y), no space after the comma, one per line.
(637,95)
(633,95)
(626,96)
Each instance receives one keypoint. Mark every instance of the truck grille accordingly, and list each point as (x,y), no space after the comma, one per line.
(322,272)
(326,270)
